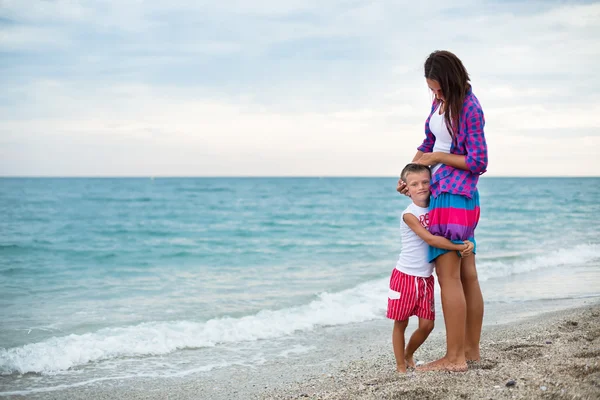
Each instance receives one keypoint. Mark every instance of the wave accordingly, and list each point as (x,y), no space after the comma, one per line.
(361,303)
(580,254)
(204,190)
(8,247)
(13,271)
(108,199)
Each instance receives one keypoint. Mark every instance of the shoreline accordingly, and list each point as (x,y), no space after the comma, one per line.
(554,355)
(356,362)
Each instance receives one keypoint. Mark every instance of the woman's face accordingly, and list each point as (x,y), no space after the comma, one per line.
(435,88)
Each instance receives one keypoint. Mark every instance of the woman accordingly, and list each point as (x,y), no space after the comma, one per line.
(456,149)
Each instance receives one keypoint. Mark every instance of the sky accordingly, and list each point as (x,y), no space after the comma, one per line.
(288,88)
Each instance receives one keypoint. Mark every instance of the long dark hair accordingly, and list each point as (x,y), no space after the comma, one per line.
(447,69)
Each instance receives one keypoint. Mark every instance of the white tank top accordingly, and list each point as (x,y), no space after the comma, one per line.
(443,140)
(413,257)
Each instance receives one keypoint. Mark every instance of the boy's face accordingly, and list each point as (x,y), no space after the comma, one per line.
(418,185)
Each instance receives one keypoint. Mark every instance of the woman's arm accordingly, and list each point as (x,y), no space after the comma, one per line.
(476,159)
(454,160)
(429,141)
(418,155)
(432,240)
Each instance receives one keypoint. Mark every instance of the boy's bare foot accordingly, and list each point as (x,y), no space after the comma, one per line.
(443,365)
(410,361)
(401,369)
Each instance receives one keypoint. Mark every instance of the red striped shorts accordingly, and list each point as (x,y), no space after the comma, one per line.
(410,295)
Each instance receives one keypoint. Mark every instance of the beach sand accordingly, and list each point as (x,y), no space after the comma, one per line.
(554,355)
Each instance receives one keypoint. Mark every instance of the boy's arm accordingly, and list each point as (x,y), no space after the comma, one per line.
(432,240)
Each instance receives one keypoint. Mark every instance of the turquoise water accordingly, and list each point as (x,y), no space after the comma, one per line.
(101,277)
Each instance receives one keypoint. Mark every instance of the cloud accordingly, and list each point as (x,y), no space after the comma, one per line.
(286,88)
(19,38)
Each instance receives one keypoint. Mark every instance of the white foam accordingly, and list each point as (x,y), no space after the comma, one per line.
(577,255)
(358,304)
(296,349)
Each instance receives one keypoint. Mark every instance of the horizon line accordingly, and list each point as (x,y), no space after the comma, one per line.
(258,176)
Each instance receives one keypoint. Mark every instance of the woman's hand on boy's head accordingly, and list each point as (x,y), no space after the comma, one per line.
(468,250)
(401,187)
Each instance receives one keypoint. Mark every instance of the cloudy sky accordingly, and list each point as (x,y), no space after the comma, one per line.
(288,87)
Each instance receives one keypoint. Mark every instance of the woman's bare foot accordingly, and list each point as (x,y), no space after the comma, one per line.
(443,365)
(401,369)
(410,361)
(472,355)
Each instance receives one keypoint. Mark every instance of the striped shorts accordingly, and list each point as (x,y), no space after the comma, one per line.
(410,295)
(454,217)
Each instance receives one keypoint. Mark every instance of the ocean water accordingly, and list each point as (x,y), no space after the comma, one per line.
(112,279)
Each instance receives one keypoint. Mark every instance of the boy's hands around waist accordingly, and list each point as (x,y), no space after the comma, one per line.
(468,250)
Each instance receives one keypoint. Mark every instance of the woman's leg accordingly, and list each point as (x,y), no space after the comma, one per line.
(474,301)
(447,267)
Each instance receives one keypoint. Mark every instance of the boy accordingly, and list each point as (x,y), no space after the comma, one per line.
(411,283)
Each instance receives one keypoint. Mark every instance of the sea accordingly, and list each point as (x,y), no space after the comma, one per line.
(110,279)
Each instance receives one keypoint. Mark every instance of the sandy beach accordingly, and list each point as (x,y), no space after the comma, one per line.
(551,356)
